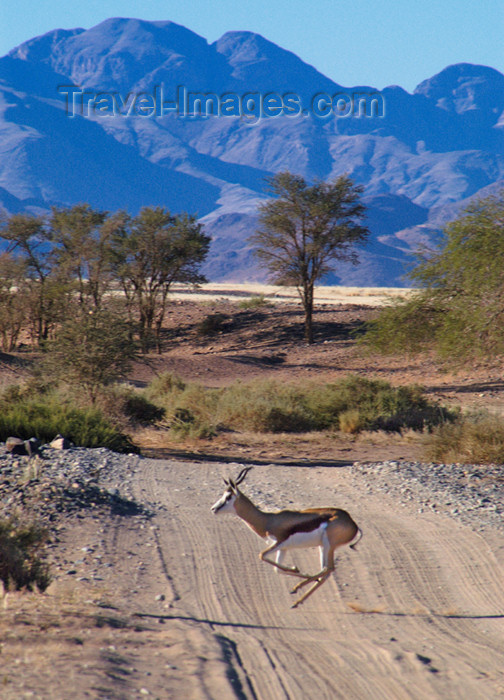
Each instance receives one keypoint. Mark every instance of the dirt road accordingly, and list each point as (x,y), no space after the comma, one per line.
(179,607)
(416,612)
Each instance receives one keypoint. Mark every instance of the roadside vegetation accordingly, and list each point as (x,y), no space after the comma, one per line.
(350,405)
(458,311)
(47,413)
(22,562)
(477,437)
(87,291)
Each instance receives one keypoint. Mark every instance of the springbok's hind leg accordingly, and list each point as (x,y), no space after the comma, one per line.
(291,570)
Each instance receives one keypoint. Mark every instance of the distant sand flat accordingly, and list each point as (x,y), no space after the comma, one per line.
(368,296)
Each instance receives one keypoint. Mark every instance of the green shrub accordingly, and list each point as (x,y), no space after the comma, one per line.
(139,409)
(475,438)
(188,409)
(254,302)
(380,405)
(45,417)
(163,385)
(185,425)
(352,404)
(21,546)
(407,325)
(264,407)
(214,323)
(90,351)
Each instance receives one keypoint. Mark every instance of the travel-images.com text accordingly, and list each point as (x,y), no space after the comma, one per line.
(252,106)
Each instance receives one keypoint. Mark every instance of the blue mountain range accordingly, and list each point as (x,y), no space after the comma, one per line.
(133,113)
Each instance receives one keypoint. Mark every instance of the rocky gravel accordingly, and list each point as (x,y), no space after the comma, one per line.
(58,482)
(473,494)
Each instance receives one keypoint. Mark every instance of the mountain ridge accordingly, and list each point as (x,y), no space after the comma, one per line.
(430,151)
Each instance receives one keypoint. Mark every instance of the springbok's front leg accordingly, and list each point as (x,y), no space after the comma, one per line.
(291,570)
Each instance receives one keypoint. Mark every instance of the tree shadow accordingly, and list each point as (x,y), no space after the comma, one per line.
(448,615)
(215,623)
(474,388)
(273,327)
(166,453)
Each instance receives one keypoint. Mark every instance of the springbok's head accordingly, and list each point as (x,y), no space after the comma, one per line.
(225,504)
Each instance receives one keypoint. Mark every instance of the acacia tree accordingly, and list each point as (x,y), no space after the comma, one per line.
(459,309)
(81,239)
(13,306)
(84,251)
(91,350)
(29,241)
(305,229)
(152,251)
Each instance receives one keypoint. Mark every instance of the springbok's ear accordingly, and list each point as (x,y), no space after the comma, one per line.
(225,481)
(232,484)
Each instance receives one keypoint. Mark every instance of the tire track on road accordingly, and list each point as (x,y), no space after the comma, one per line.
(421,576)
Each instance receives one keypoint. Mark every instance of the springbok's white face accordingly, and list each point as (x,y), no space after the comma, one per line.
(226,501)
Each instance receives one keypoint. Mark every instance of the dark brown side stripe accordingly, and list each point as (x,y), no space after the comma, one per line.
(312,524)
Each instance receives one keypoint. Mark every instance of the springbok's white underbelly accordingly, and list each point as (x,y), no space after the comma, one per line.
(304,539)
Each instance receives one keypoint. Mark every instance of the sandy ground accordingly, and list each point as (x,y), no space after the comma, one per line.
(215,291)
(183,608)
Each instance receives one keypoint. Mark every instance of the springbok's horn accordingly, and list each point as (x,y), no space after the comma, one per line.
(242,475)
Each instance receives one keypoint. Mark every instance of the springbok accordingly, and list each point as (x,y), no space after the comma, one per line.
(326,528)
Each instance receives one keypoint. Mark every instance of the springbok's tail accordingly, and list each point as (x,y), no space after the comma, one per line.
(356,539)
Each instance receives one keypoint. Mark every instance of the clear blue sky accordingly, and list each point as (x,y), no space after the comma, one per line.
(392,42)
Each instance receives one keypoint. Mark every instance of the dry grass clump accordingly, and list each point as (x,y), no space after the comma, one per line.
(351,422)
(258,301)
(188,409)
(475,438)
(21,565)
